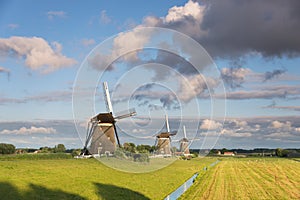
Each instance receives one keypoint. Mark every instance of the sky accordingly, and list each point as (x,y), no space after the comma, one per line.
(227,70)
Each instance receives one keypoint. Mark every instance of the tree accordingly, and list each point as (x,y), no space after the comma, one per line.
(130,147)
(60,148)
(7,148)
(281,152)
(143,148)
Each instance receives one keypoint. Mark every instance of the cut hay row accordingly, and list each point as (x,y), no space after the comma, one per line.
(233,178)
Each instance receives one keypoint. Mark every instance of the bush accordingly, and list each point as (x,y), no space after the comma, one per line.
(7,148)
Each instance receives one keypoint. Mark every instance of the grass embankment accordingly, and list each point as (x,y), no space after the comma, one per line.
(248,178)
(37,178)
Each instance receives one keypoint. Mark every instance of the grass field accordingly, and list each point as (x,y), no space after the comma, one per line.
(58,178)
(244,178)
(48,177)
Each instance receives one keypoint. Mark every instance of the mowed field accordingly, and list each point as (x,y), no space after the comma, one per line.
(89,179)
(248,178)
(231,178)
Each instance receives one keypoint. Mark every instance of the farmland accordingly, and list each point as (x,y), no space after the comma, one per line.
(244,178)
(231,178)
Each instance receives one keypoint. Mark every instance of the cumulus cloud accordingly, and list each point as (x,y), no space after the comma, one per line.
(268,27)
(29,131)
(38,54)
(196,86)
(52,14)
(280,125)
(233,28)
(210,125)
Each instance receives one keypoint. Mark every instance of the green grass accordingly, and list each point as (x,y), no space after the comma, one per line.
(248,178)
(57,178)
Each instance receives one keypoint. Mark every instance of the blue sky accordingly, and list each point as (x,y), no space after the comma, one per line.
(44,45)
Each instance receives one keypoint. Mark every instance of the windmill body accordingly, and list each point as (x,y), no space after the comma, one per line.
(163,141)
(102,137)
(184,144)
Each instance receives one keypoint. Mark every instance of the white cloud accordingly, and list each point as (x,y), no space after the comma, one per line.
(38,54)
(195,86)
(210,125)
(28,131)
(234,77)
(233,133)
(239,123)
(178,13)
(280,125)
(52,14)
(87,42)
(104,19)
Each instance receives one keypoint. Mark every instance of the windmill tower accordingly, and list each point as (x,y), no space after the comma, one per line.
(184,144)
(102,136)
(163,141)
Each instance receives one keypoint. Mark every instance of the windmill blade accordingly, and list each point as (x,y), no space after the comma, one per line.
(107,98)
(167,123)
(125,114)
(117,136)
(184,131)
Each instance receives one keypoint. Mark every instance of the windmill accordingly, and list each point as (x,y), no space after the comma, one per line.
(163,141)
(102,136)
(184,144)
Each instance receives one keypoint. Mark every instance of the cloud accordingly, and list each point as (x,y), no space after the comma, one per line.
(269,92)
(234,77)
(274,106)
(273,74)
(46,97)
(196,86)
(29,131)
(233,28)
(280,125)
(87,42)
(210,125)
(239,27)
(5,70)
(233,133)
(38,54)
(104,19)
(52,14)
(13,26)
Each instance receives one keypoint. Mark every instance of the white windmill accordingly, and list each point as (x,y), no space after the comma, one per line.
(102,136)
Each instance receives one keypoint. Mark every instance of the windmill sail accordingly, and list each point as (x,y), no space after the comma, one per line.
(107,98)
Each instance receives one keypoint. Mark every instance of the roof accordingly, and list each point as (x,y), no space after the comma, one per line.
(104,118)
(163,135)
